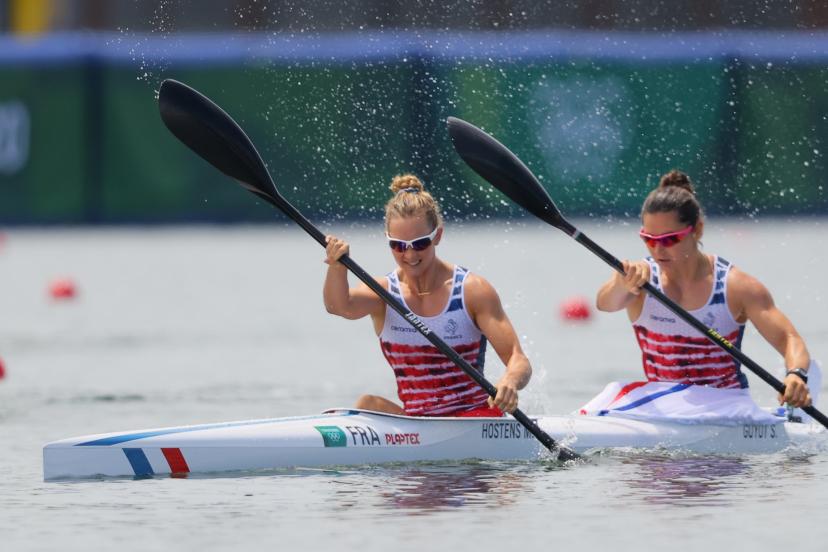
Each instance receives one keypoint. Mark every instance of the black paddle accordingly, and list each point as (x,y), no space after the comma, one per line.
(210,132)
(494,162)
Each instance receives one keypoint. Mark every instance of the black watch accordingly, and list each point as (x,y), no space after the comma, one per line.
(803,375)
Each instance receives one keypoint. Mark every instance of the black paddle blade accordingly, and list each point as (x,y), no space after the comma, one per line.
(503,170)
(209,131)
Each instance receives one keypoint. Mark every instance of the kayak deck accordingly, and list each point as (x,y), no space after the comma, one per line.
(342,437)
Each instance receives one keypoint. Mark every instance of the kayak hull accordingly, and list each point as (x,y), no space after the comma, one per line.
(349,437)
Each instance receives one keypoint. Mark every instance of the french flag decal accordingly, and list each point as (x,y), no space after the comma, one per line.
(176,461)
(142,466)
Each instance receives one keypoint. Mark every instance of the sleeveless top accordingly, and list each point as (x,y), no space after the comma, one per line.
(428,383)
(672,350)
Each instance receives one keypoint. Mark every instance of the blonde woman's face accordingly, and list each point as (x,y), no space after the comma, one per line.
(410,229)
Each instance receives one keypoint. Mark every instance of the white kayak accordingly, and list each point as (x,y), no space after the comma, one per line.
(348,437)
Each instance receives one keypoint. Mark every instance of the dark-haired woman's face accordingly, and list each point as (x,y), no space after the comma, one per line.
(676,244)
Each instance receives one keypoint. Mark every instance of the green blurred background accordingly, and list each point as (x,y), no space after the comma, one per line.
(597,114)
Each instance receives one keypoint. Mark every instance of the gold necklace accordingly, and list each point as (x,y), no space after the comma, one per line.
(421,293)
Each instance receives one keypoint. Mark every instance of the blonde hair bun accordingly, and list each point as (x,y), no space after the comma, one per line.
(407,182)
(410,199)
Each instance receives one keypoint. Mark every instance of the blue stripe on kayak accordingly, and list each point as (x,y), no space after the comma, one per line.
(648,398)
(117,439)
(138,461)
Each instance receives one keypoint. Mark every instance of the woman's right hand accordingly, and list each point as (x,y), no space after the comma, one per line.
(335,249)
(636,274)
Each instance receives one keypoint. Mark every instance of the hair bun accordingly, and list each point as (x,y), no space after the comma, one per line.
(406,181)
(678,179)
(410,199)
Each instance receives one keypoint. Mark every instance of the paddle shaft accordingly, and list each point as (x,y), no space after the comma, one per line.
(419,325)
(709,333)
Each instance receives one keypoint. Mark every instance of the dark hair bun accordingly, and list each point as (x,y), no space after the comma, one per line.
(678,179)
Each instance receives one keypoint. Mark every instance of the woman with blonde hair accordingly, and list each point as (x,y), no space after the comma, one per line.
(461,307)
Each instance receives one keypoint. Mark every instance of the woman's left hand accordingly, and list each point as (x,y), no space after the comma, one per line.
(796,392)
(507,396)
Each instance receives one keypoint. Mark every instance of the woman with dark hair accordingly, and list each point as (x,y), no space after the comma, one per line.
(462,308)
(715,292)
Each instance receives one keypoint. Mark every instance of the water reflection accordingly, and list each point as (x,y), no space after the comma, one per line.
(685,480)
(430,488)
(794,468)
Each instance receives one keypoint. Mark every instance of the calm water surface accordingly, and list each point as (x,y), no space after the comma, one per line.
(178,326)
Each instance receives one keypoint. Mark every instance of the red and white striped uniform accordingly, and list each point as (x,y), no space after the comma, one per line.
(672,350)
(428,383)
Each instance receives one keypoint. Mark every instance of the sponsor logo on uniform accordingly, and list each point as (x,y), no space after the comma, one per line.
(709,320)
(665,319)
(451,330)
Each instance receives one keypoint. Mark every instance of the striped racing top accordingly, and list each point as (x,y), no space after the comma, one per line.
(428,383)
(672,350)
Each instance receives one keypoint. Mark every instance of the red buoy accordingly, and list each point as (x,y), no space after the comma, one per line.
(576,308)
(2,369)
(63,288)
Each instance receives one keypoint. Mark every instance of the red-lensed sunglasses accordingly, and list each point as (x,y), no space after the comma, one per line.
(417,244)
(665,240)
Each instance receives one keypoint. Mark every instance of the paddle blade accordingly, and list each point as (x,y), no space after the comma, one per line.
(209,131)
(503,170)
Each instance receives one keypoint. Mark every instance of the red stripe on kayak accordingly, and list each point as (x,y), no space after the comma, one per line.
(176,460)
(627,388)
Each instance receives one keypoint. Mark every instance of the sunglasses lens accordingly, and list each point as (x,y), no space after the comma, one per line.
(664,240)
(669,241)
(422,243)
(416,245)
(400,246)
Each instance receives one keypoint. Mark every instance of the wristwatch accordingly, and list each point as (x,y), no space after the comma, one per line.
(803,375)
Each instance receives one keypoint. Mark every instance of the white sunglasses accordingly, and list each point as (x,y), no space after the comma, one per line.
(417,244)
